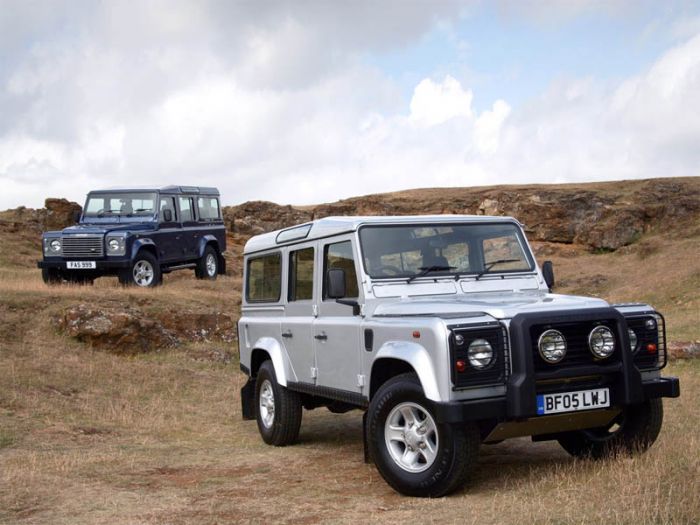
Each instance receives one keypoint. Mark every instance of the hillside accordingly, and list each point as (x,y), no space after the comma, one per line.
(121,405)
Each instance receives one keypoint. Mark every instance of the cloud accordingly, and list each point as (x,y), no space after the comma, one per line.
(276,101)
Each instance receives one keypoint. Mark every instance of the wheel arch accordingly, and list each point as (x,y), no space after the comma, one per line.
(398,357)
(144,244)
(267,348)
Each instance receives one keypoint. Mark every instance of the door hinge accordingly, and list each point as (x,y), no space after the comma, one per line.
(360,380)
(314,310)
(314,372)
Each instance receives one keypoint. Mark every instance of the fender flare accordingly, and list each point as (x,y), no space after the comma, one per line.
(204,241)
(419,359)
(141,243)
(279,358)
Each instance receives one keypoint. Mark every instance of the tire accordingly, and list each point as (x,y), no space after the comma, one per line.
(51,276)
(208,265)
(144,272)
(633,431)
(415,455)
(277,409)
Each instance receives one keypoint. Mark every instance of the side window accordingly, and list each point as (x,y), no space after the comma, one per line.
(264,279)
(208,208)
(186,209)
(339,255)
(168,203)
(301,275)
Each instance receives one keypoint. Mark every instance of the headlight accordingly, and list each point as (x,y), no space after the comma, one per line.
(115,246)
(480,354)
(55,245)
(633,340)
(552,346)
(601,341)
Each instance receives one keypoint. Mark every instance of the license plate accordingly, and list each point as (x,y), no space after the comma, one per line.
(81,265)
(573,401)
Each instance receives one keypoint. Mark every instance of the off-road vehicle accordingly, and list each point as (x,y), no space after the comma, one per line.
(138,235)
(444,330)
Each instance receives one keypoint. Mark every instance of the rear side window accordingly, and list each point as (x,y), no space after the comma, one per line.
(264,279)
(208,208)
(301,274)
(167,203)
(186,212)
(339,255)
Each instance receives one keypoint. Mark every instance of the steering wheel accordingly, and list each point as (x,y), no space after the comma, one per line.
(383,269)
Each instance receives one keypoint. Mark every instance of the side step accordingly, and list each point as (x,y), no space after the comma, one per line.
(168,269)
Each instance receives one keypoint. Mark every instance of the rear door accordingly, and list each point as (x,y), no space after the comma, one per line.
(336,330)
(188,222)
(297,325)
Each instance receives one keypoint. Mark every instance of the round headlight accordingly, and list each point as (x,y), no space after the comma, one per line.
(633,340)
(480,354)
(113,245)
(601,341)
(55,245)
(650,324)
(552,346)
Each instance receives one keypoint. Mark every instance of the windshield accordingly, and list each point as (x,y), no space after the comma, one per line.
(413,251)
(120,205)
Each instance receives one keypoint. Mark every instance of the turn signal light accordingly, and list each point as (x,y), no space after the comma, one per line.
(416,334)
(651,348)
(461,365)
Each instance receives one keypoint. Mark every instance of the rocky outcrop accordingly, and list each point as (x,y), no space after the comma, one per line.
(131,329)
(55,215)
(59,213)
(600,216)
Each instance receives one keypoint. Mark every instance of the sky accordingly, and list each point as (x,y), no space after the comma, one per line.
(310,101)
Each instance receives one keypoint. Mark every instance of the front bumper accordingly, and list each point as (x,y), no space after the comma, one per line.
(496,408)
(101,264)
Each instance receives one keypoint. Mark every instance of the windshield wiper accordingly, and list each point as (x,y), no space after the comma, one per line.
(425,270)
(102,213)
(490,265)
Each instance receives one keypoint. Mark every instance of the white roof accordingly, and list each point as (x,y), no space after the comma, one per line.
(330,226)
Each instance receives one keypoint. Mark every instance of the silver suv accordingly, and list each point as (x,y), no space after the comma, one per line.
(444,331)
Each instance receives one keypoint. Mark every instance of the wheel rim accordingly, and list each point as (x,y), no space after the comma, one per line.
(211,265)
(143,273)
(267,404)
(411,437)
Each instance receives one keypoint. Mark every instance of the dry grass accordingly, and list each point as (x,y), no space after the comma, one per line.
(88,437)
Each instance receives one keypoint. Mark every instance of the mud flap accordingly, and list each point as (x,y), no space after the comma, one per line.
(365,444)
(248,400)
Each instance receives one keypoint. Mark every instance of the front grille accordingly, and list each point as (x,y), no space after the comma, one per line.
(577,351)
(497,372)
(89,246)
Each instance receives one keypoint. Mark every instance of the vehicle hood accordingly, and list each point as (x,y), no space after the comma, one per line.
(105,228)
(497,305)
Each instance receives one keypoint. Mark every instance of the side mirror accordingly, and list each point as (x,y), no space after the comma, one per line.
(168,215)
(76,217)
(548,274)
(335,283)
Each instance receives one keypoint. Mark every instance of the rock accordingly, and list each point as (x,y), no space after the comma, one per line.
(59,213)
(684,350)
(130,330)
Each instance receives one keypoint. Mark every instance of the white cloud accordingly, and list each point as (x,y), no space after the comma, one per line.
(279,104)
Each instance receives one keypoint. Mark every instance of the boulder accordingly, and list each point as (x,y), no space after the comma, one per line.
(59,213)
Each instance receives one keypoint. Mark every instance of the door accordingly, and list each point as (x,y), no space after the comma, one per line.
(297,324)
(169,232)
(336,329)
(188,221)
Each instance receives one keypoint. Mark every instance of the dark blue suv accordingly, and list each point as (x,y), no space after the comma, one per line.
(138,235)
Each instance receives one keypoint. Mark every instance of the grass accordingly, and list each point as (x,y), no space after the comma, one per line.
(91,437)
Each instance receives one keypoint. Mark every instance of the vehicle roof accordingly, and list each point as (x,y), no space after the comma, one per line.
(330,226)
(179,190)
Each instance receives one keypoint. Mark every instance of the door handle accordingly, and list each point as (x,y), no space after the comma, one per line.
(287,334)
(321,337)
